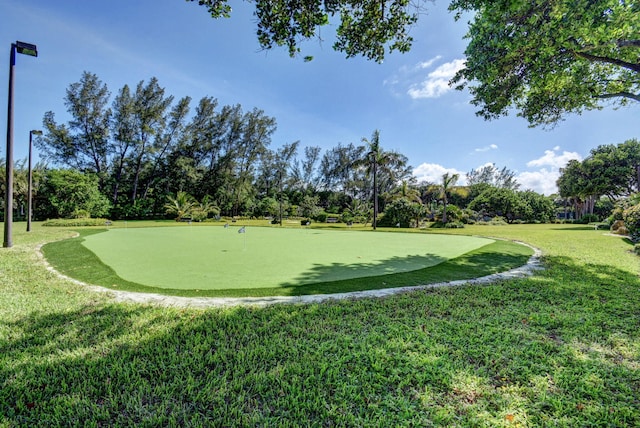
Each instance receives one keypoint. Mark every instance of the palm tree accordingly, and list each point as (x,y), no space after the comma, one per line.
(377,160)
(181,205)
(200,211)
(448,181)
(405,191)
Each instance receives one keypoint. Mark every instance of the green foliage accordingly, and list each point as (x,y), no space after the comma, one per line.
(538,208)
(401,213)
(181,205)
(495,221)
(549,58)
(368,28)
(83,143)
(451,213)
(269,206)
(451,224)
(70,191)
(150,150)
(611,170)
(382,166)
(631,217)
(588,218)
(79,213)
(76,222)
(499,202)
(320,217)
(308,207)
(446,187)
(492,176)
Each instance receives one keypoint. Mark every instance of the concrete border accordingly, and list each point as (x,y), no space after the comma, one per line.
(532,265)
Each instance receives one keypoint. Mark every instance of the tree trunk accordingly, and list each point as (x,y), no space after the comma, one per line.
(375,195)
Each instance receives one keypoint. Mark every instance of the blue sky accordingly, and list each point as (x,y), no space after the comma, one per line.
(324,102)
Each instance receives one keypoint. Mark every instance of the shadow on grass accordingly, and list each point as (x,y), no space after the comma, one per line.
(560,348)
(73,259)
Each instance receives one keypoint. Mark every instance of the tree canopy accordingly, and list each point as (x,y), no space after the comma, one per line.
(370,28)
(548,58)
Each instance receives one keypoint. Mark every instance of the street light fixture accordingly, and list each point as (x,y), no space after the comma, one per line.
(25,49)
(30,186)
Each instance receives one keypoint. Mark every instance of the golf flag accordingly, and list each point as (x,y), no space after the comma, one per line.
(242,229)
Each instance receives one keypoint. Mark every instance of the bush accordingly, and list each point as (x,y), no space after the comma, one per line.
(588,218)
(495,221)
(346,217)
(80,213)
(401,213)
(76,222)
(305,222)
(631,217)
(617,225)
(320,217)
(448,225)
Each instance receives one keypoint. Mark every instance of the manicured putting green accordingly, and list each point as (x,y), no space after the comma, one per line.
(217,258)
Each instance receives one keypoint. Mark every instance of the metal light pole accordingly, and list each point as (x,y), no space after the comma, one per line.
(30,187)
(25,49)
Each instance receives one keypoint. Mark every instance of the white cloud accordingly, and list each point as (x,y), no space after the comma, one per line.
(541,181)
(436,83)
(544,179)
(432,173)
(554,159)
(487,148)
(428,63)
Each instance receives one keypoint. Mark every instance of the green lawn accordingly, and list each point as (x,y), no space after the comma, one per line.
(560,348)
(207,260)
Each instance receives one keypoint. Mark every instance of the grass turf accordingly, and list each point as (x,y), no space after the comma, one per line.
(560,348)
(214,261)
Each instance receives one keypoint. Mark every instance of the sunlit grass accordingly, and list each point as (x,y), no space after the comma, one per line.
(276,256)
(560,348)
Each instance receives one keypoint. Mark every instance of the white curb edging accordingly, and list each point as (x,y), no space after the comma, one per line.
(532,265)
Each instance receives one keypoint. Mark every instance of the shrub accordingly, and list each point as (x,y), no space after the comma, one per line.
(80,213)
(346,217)
(401,213)
(447,225)
(495,221)
(631,217)
(588,218)
(76,222)
(320,217)
(619,228)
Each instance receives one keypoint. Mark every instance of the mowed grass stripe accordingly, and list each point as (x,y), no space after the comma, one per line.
(210,258)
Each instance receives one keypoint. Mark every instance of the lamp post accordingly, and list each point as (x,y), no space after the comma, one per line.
(25,49)
(30,186)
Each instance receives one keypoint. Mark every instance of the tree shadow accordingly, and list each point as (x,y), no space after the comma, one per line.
(75,260)
(347,271)
(558,348)
(474,264)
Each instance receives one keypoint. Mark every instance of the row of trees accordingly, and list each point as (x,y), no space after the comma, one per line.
(142,147)
(131,156)
(611,171)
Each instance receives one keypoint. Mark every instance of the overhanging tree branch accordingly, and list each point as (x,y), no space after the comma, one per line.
(628,43)
(620,94)
(614,61)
